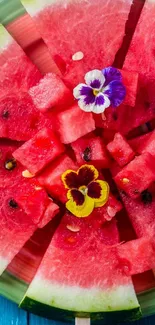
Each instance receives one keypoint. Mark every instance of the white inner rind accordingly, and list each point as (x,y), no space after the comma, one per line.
(5,39)
(75,298)
(3,264)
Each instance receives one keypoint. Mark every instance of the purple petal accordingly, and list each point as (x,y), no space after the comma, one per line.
(96,84)
(99,100)
(116,92)
(88,93)
(111,74)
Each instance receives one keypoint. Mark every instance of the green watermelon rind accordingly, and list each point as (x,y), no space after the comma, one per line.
(35,6)
(12,287)
(67,302)
(58,314)
(5,38)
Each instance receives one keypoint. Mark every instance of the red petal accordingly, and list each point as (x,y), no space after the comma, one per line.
(85,175)
(71,180)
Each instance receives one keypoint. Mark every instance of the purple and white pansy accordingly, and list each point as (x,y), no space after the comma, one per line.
(101,90)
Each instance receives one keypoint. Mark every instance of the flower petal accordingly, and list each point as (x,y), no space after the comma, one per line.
(76,196)
(87,174)
(99,191)
(70,179)
(81,211)
(95,79)
(116,92)
(101,103)
(111,74)
(85,107)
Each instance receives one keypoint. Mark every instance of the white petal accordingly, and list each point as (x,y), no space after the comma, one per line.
(95,75)
(84,107)
(98,109)
(77,90)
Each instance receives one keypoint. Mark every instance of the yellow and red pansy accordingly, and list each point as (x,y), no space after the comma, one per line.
(85,190)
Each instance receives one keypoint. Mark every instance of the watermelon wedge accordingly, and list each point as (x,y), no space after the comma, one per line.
(86,291)
(71,39)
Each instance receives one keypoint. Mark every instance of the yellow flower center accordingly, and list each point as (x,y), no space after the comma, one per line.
(95,92)
(83,189)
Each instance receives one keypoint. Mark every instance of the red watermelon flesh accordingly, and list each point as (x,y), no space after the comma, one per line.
(137,256)
(73,123)
(68,32)
(137,175)
(19,118)
(138,143)
(50,178)
(91,149)
(148,144)
(15,224)
(39,151)
(130,80)
(10,169)
(120,150)
(75,243)
(18,74)
(50,212)
(50,92)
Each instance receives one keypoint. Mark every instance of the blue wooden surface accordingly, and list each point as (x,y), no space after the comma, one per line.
(10,314)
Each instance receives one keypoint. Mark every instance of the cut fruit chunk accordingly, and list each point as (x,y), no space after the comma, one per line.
(39,151)
(51,211)
(79,123)
(137,256)
(137,175)
(146,143)
(66,27)
(93,293)
(130,80)
(50,92)
(120,150)
(91,149)
(139,143)
(50,178)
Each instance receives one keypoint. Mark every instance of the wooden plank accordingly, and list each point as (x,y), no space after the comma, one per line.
(10,314)
(36,320)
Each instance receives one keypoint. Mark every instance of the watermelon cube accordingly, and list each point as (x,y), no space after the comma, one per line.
(120,150)
(137,175)
(50,178)
(149,145)
(137,256)
(50,92)
(36,153)
(130,80)
(91,149)
(74,123)
(139,143)
(50,213)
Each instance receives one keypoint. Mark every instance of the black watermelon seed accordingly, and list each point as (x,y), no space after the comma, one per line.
(5,114)
(146,197)
(10,164)
(87,154)
(13,204)
(115,116)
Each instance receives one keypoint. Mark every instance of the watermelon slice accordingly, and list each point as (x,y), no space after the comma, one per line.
(132,178)
(79,123)
(88,290)
(91,149)
(120,150)
(39,151)
(69,35)
(50,92)
(139,143)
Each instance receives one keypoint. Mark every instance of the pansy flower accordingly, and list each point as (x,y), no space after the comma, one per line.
(101,90)
(85,190)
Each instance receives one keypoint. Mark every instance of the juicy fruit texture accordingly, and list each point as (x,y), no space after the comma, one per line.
(120,150)
(50,92)
(148,142)
(139,143)
(98,292)
(91,149)
(53,17)
(137,255)
(78,124)
(141,58)
(51,211)
(132,178)
(130,80)
(50,178)
(39,151)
